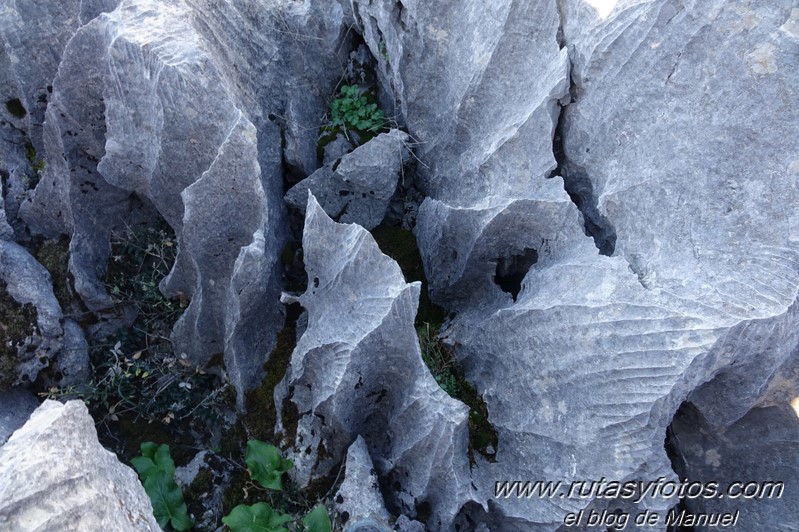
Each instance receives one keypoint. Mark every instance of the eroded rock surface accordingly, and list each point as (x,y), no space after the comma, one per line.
(359,496)
(171,106)
(55,475)
(666,173)
(364,375)
(357,187)
(35,333)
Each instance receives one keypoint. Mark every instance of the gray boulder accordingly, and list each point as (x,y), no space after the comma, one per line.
(32,319)
(47,485)
(364,375)
(358,187)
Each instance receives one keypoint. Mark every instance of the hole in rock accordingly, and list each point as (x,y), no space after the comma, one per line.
(511,271)
(16,108)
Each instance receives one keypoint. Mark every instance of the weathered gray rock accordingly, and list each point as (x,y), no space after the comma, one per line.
(171,106)
(364,375)
(28,283)
(72,364)
(484,123)
(359,496)
(743,426)
(671,170)
(16,405)
(6,232)
(357,188)
(760,448)
(33,36)
(55,475)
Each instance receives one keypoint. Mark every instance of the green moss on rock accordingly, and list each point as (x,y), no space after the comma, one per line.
(400,245)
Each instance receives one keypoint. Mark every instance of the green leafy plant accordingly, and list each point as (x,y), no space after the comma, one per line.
(258,517)
(317,520)
(36,163)
(352,110)
(266,465)
(157,471)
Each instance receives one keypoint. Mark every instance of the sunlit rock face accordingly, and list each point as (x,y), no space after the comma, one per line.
(168,109)
(667,161)
(55,475)
(364,375)
(609,221)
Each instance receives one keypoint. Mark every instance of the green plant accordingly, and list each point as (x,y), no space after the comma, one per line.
(148,386)
(140,374)
(352,110)
(439,362)
(36,163)
(266,466)
(258,517)
(317,520)
(140,258)
(157,471)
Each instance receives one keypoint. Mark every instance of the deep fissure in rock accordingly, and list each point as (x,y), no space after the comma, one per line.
(677,463)
(580,189)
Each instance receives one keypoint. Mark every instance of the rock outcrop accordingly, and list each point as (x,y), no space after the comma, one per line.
(359,498)
(357,371)
(35,333)
(55,475)
(153,111)
(357,187)
(609,220)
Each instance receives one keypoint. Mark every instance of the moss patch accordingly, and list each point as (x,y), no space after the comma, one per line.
(400,245)
(449,375)
(54,256)
(17,322)
(260,403)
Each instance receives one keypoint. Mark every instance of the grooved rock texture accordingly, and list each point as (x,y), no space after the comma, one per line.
(609,221)
(359,495)
(55,475)
(482,156)
(666,159)
(357,187)
(364,375)
(167,109)
(744,425)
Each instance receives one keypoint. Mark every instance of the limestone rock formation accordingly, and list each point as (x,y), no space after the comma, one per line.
(482,156)
(359,496)
(668,173)
(154,112)
(35,333)
(608,220)
(54,475)
(364,375)
(357,187)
